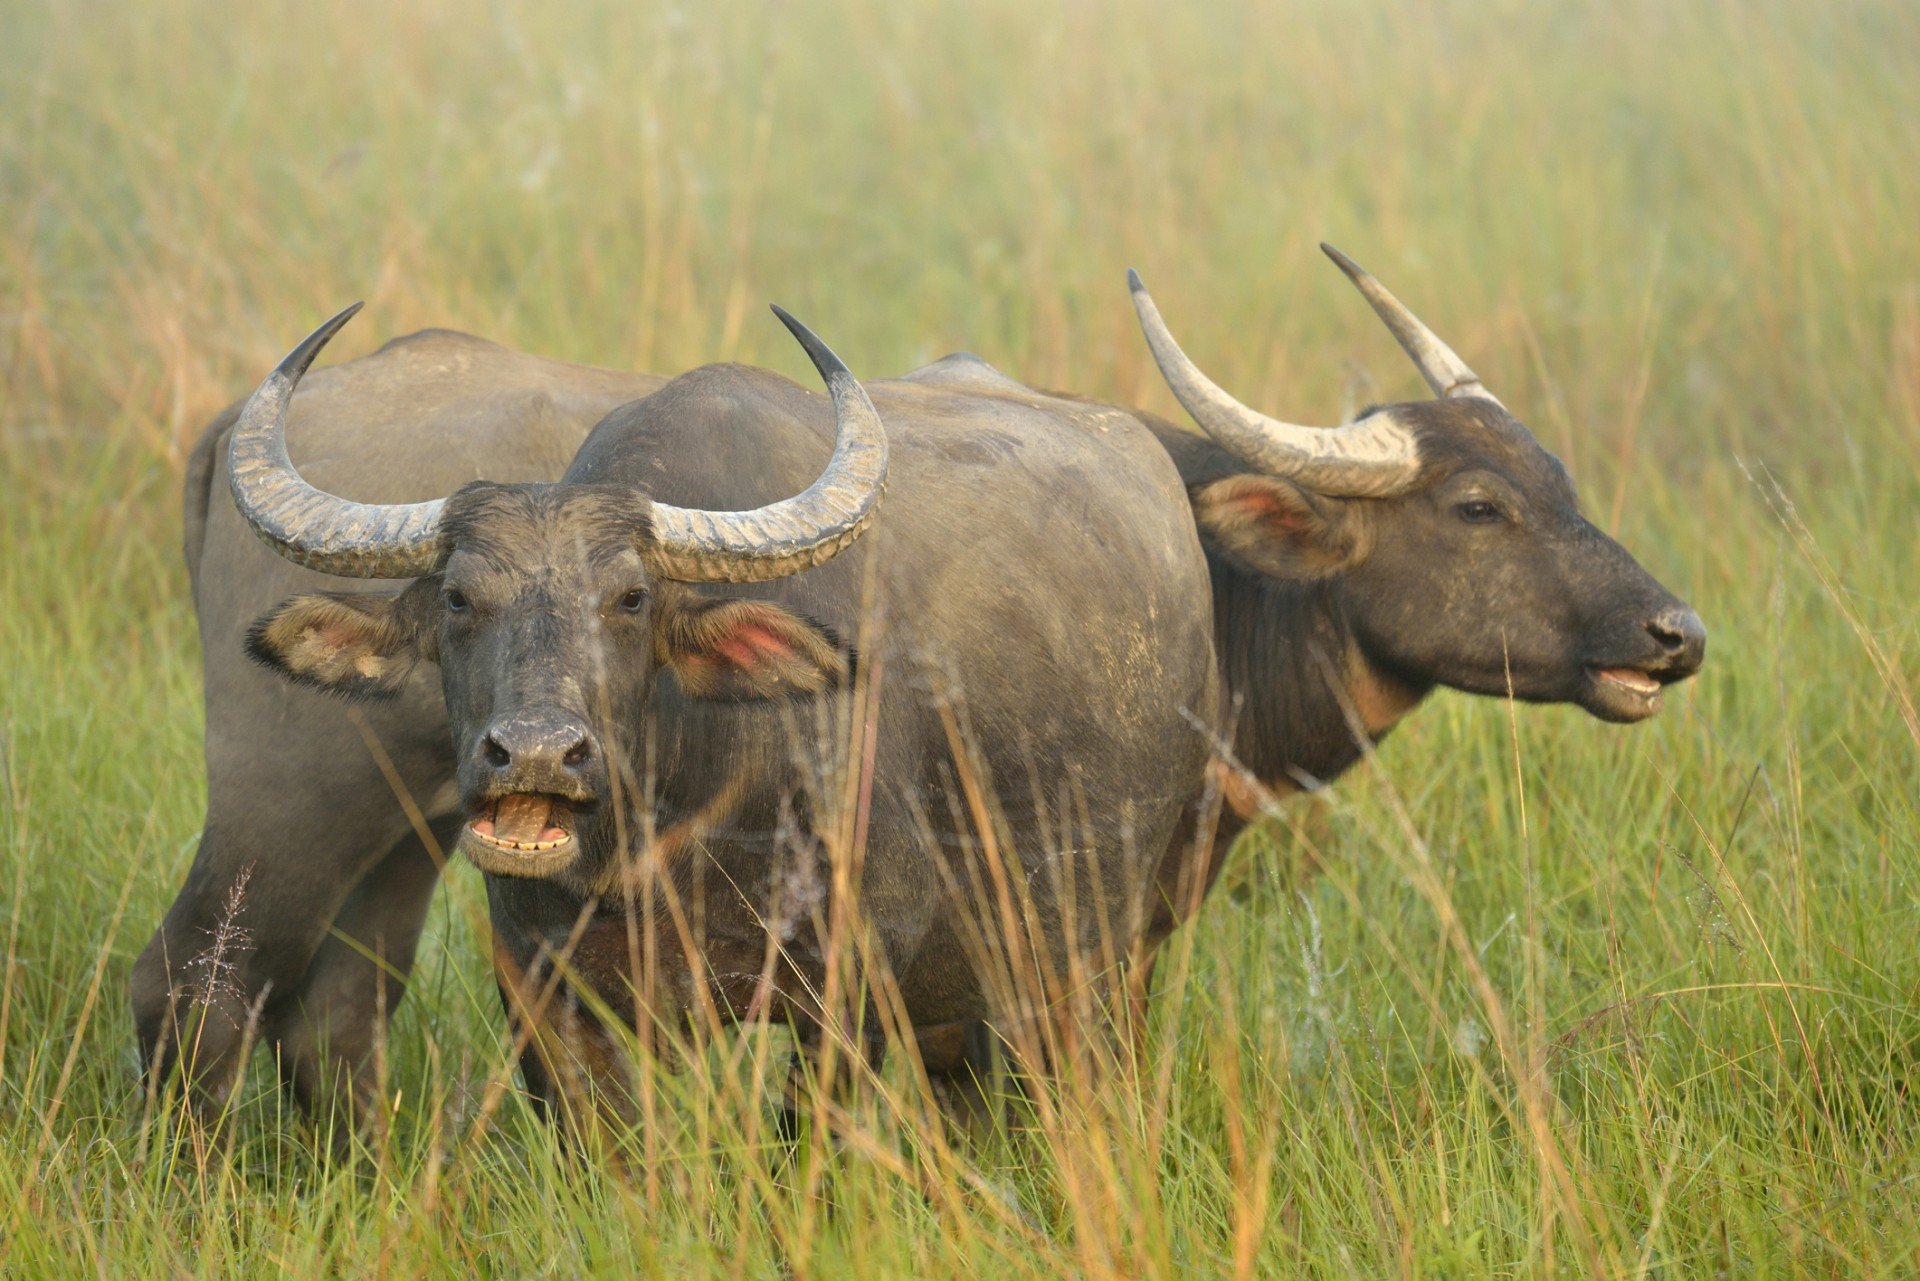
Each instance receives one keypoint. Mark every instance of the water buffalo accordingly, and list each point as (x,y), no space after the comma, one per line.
(1357,568)
(1033,597)
(334,879)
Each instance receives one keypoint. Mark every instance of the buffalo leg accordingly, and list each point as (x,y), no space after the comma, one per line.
(1192,864)
(965,1067)
(326,1033)
(576,1070)
(960,1058)
(241,936)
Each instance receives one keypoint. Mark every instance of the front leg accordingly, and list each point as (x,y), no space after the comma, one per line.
(842,1079)
(576,1069)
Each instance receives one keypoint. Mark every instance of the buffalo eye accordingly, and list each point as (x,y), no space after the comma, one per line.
(633,602)
(1479,512)
(456,600)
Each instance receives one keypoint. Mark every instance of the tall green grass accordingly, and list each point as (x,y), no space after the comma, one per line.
(1529,995)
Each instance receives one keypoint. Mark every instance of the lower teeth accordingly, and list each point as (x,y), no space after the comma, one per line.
(520,822)
(556,843)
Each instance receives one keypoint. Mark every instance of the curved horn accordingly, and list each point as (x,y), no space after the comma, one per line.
(309,526)
(1445,372)
(1372,458)
(796,533)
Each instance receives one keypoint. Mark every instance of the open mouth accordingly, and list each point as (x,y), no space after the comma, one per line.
(520,833)
(1625,693)
(1630,679)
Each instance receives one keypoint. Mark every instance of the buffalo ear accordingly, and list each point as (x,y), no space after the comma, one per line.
(738,650)
(1275,527)
(356,645)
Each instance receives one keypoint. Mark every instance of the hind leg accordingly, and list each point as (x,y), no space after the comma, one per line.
(299,815)
(327,1032)
(240,937)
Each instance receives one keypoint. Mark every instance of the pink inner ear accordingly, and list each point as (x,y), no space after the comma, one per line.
(339,636)
(1256,502)
(750,643)
(1265,506)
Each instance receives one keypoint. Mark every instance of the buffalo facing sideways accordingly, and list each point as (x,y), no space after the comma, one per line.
(1355,569)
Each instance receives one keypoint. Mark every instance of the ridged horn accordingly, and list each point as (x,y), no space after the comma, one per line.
(1444,371)
(306,525)
(796,533)
(1372,458)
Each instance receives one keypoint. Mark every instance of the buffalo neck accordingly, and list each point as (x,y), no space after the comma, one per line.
(1296,678)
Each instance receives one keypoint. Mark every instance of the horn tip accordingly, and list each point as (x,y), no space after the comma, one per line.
(808,339)
(1353,269)
(1134,282)
(825,362)
(296,362)
(342,316)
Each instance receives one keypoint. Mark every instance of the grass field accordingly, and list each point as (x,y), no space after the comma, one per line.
(1561,998)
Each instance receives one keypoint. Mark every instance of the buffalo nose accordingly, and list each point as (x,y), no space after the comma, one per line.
(556,743)
(1680,633)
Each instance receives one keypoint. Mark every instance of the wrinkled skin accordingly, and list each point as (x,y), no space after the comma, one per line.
(1073,667)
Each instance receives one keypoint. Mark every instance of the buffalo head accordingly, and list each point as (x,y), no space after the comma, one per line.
(550,609)
(1453,541)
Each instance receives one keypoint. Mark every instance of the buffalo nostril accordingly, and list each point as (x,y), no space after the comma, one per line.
(1670,639)
(1680,636)
(579,754)
(495,753)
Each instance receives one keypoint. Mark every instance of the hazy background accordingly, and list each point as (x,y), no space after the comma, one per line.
(1679,239)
